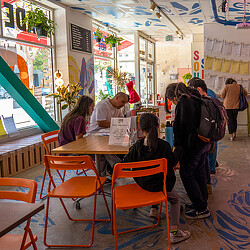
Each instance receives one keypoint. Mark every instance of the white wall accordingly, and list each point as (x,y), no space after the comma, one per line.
(169,57)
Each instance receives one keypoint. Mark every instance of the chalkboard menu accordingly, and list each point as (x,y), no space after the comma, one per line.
(80,39)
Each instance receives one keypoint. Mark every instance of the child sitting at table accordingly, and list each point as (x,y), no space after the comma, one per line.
(74,123)
(151,148)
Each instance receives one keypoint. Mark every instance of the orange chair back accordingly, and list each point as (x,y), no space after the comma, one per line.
(49,138)
(140,169)
(29,196)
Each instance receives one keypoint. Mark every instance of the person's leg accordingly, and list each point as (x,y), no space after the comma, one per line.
(230,122)
(207,168)
(176,234)
(189,178)
(212,159)
(201,177)
(174,200)
(235,115)
(112,159)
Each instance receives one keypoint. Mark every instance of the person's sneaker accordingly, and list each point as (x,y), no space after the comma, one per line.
(189,206)
(154,213)
(179,236)
(209,188)
(108,179)
(192,214)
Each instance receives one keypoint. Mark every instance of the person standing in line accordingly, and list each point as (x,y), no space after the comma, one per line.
(193,163)
(231,93)
(73,126)
(152,148)
(201,86)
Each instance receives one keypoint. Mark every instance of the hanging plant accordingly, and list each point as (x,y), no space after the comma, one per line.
(113,40)
(36,19)
(118,78)
(98,35)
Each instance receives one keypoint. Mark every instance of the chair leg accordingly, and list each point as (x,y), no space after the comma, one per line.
(115,226)
(41,192)
(78,173)
(168,227)
(106,203)
(32,239)
(46,223)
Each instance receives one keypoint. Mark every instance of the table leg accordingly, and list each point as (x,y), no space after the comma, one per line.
(98,165)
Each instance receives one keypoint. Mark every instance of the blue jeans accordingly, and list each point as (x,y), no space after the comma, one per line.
(193,175)
(212,158)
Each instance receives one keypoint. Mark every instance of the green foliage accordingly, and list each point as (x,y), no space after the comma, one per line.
(39,61)
(68,94)
(102,96)
(187,76)
(98,33)
(112,39)
(37,19)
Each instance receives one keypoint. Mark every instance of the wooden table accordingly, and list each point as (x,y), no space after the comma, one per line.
(92,144)
(13,214)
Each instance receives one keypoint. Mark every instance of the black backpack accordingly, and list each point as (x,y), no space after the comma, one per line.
(213,120)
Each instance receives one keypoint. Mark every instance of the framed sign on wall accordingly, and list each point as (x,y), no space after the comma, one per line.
(80,39)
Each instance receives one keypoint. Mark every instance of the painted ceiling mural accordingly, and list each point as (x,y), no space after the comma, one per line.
(128,15)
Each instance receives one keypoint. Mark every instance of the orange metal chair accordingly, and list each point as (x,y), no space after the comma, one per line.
(133,196)
(76,187)
(48,139)
(14,241)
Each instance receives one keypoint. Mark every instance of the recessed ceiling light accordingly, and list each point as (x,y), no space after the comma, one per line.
(159,15)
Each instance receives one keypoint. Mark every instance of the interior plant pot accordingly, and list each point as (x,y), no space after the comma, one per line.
(98,39)
(41,32)
(113,44)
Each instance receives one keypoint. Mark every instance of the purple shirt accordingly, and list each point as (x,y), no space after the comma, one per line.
(74,128)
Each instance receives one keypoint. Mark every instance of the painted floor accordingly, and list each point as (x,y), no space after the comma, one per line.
(228,227)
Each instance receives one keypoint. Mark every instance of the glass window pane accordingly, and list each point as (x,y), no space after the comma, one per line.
(150,51)
(142,48)
(33,66)
(13,13)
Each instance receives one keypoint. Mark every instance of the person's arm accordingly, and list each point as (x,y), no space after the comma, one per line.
(131,156)
(245,91)
(103,124)
(79,136)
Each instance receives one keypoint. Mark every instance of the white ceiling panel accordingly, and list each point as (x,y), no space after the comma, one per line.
(188,15)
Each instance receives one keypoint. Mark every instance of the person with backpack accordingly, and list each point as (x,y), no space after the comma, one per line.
(231,93)
(201,86)
(192,164)
(151,148)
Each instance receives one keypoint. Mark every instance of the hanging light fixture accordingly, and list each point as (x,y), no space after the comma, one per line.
(153,5)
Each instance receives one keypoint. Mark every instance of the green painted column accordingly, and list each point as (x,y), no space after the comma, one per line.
(14,86)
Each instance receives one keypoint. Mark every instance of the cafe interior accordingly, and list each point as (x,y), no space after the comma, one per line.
(98,48)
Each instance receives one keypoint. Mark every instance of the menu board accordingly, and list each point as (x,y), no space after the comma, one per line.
(80,39)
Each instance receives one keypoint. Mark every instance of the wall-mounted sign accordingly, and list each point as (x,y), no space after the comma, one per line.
(80,39)
(169,38)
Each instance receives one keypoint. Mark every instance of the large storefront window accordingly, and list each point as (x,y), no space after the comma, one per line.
(30,57)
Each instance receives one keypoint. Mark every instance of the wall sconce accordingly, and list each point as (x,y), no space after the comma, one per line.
(58,78)
(153,5)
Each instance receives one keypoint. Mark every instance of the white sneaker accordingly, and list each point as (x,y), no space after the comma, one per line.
(179,236)
(153,213)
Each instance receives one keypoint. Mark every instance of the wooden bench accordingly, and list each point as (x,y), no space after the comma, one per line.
(19,155)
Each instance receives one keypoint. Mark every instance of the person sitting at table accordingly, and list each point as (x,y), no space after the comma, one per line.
(101,118)
(73,126)
(151,148)
(105,110)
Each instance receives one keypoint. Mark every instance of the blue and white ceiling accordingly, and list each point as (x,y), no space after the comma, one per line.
(129,15)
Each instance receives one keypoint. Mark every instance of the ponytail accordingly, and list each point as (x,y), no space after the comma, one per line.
(149,122)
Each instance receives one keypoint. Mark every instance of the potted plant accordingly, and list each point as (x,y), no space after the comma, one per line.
(98,35)
(119,78)
(187,77)
(36,19)
(113,40)
(67,95)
